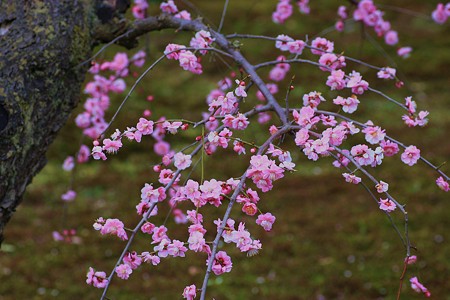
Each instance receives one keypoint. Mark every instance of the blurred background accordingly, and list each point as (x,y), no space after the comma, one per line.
(330,240)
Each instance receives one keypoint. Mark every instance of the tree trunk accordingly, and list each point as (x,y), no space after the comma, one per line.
(42,44)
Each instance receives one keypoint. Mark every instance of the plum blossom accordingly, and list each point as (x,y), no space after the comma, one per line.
(418,287)
(139,9)
(389,148)
(182,161)
(386,73)
(168,7)
(150,258)
(374,134)
(351,178)
(320,45)
(356,83)
(282,42)
(70,195)
(442,184)
(266,221)
(132,259)
(96,278)
(387,205)
(69,163)
(349,104)
(222,263)
(336,81)
(404,52)
(441,13)
(190,292)
(123,271)
(382,187)
(411,155)
(114,227)
(283,12)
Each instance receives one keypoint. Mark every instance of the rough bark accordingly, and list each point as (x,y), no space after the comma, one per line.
(42,43)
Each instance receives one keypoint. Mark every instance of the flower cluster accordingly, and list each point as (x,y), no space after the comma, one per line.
(441,13)
(284,10)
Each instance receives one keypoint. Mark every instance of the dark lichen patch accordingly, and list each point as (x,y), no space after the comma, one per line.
(4,117)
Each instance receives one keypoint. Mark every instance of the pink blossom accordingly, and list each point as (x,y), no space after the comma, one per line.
(389,148)
(351,178)
(266,221)
(202,39)
(296,47)
(362,154)
(139,58)
(386,73)
(148,227)
(249,208)
(330,61)
(336,81)
(356,83)
(239,147)
(153,259)
(342,160)
(159,234)
(111,146)
(69,196)
(83,154)
(119,64)
(161,148)
(404,52)
(301,137)
(382,187)
(139,9)
(114,227)
(176,249)
(222,263)
(411,259)
(374,134)
(320,45)
(196,241)
(162,248)
(440,14)
(97,153)
(240,122)
(349,104)
(306,117)
(173,51)
(145,126)
(313,99)
(132,259)
(342,12)
(391,37)
(277,74)
(97,279)
(189,62)
(168,7)
(182,161)
(172,127)
(282,42)
(149,194)
(69,163)
(190,292)
(442,184)
(283,11)
(303,6)
(418,287)
(387,205)
(185,15)
(123,271)
(240,89)
(411,155)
